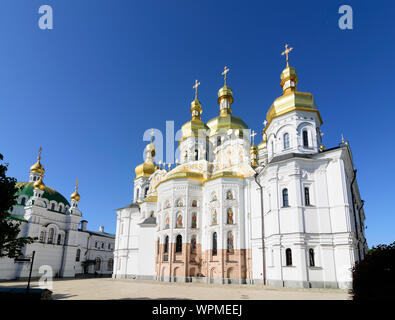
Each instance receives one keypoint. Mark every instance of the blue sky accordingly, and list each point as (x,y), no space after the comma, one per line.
(109,70)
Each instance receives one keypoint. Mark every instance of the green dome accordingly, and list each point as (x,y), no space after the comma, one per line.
(26,188)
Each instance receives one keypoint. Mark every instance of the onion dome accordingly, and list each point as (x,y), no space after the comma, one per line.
(75,195)
(38,167)
(291,99)
(148,167)
(196,127)
(39,184)
(263,143)
(27,189)
(225,120)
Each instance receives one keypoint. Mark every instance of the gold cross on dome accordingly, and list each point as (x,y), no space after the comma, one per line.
(286,52)
(197,84)
(226,70)
(39,153)
(76,185)
(253,134)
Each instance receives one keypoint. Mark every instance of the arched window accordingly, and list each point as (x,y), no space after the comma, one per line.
(97,264)
(59,239)
(53,207)
(158,246)
(194,220)
(285,198)
(305,138)
(230,244)
(109,246)
(23,201)
(229,216)
(179,243)
(145,192)
(288,257)
(186,155)
(311,258)
(137,193)
(196,154)
(272,144)
(110,264)
(306,196)
(78,255)
(60,208)
(286,141)
(218,141)
(193,244)
(214,244)
(51,235)
(166,247)
(42,236)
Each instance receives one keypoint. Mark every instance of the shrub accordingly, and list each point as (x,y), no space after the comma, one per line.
(374,277)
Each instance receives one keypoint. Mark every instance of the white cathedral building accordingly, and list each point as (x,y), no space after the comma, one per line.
(285,213)
(63,242)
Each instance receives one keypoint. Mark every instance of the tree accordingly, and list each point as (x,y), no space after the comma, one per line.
(374,277)
(10,244)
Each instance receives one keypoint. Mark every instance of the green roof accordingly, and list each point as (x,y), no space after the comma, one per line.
(15,217)
(26,188)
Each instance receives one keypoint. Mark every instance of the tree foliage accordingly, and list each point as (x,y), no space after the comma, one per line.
(374,277)
(10,244)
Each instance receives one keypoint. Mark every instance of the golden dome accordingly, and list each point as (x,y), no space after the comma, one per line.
(225,92)
(291,99)
(224,123)
(39,184)
(75,195)
(38,167)
(194,128)
(146,169)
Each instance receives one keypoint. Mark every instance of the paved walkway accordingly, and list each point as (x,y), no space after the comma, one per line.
(107,288)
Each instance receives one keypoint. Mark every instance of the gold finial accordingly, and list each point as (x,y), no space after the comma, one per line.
(164,165)
(169,166)
(286,52)
(252,135)
(197,84)
(39,153)
(75,195)
(342,138)
(226,70)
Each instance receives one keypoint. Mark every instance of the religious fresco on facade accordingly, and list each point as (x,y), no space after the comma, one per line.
(193,244)
(229,216)
(229,195)
(194,203)
(167,224)
(179,203)
(194,220)
(213,196)
(214,217)
(179,220)
(230,246)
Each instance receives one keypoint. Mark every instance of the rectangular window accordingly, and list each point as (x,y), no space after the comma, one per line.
(306,196)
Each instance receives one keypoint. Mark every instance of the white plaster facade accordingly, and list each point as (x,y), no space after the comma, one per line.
(300,202)
(63,242)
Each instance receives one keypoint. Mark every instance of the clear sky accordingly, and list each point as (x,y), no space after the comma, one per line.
(87,90)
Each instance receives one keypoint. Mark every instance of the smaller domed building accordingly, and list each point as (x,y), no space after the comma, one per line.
(63,242)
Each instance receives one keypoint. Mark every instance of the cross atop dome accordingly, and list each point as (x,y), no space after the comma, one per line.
(286,52)
(226,70)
